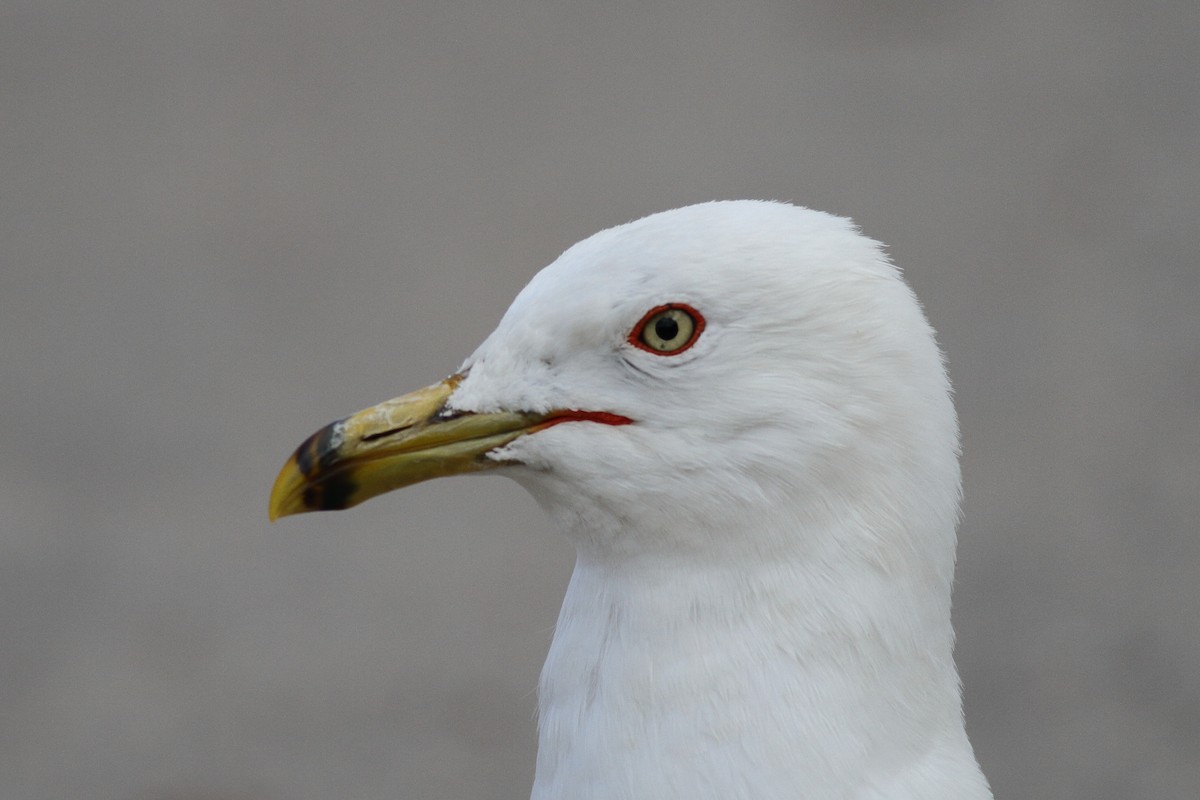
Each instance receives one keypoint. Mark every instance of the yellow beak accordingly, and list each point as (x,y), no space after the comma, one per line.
(397,443)
(401,442)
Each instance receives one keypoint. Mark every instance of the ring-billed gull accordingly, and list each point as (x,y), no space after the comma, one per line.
(739,415)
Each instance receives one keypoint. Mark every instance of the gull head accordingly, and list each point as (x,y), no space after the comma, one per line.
(738,413)
(731,366)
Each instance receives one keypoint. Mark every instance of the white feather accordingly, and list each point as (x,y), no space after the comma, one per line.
(761,602)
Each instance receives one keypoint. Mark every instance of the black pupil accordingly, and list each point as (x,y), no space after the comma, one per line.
(666,328)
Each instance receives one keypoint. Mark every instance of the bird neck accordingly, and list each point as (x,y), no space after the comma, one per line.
(776,678)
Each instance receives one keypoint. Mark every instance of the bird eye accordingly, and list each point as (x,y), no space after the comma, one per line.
(668,330)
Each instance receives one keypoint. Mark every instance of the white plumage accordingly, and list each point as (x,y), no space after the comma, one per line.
(761,602)
(738,414)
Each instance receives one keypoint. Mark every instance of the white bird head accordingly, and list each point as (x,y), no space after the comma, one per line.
(802,370)
(745,388)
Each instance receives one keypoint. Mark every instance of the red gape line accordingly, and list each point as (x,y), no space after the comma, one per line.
(572,415)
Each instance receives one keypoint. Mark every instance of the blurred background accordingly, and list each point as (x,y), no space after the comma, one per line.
(225,224)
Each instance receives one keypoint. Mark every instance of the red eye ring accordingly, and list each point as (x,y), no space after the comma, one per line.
(639,339)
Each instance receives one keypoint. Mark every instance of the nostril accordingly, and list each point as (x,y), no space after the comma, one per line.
(370,437)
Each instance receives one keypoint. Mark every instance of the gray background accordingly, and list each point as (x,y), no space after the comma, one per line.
(225,224)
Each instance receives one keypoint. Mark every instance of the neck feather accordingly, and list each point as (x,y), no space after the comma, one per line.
(752,679)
